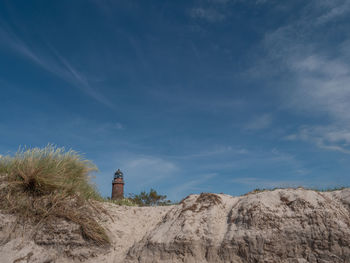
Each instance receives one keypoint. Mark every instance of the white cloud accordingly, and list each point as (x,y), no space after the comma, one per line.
(322,66)
(147,170)
(323,86)
(208,14)
(259,123)
(328,138)
(335,8)
(319,79)
(118,126)
(323,89)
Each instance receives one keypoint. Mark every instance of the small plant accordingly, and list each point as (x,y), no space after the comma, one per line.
(258,190)
(43,183)
(330,189)
(124,201)
(150,199)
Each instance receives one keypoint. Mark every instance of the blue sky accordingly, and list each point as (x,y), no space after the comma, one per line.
(182,96)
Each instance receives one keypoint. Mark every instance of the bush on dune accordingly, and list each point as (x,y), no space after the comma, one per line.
(150,199)
(48,183)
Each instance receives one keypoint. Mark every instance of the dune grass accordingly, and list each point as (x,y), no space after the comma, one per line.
(329,189)
(124,202)
(42,184)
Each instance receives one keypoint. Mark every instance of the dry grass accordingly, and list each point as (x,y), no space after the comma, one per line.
(124,201)
(203,202)
(42,184)
(330,189)
(212,199)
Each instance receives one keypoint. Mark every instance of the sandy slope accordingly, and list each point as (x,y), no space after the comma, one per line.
(129,226)
(276,226)
(289,225)
(125,226)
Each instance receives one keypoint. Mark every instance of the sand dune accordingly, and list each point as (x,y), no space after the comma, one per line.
(285,225)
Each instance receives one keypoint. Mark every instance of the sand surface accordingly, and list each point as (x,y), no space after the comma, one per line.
(125,226)
(285,225)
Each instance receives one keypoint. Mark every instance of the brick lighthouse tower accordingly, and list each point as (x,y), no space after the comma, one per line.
(118,186)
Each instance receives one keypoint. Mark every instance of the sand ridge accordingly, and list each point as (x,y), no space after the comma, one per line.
(284,225)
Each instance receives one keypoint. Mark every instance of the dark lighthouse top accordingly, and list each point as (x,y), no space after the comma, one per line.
(118,174)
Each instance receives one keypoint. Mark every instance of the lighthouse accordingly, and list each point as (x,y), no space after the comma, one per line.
(118,186)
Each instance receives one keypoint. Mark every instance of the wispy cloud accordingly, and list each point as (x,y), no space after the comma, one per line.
(209,14)
(256,159)
(95,128)
(336,8)
(323,89)
(328,138)
(265,183)
(213,151)
(53,62)
(148,170)
(259,123)
(194,186)
(319,82)
(321,76)
(324,86)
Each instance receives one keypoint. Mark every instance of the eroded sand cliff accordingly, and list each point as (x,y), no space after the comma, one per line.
(285,225)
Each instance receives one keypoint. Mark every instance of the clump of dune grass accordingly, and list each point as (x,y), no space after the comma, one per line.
(42,184)
(124,201)
(329,189)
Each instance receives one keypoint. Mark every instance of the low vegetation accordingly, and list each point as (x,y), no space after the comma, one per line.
(203,202)
(329,189)
(124,201)
(149,199)
(43,184)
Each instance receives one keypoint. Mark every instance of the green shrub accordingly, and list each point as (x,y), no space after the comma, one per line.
(40,184)
(150,199)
